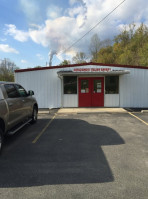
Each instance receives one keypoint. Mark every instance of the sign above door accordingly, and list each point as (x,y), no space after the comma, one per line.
(92,70)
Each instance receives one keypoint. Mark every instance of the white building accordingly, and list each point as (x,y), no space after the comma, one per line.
(87,85)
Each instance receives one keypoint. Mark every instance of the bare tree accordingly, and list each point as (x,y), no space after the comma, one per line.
(106,43)
(7,68)
(79,58)
(94,47)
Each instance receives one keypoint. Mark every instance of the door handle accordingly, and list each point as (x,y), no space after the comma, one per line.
(23,100)
(10,104)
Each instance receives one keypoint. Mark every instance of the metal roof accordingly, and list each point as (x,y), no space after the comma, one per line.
(77,65)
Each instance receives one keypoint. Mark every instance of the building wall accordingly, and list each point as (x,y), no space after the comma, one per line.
(45,84)
(70,100)
(111,100)
(133,90)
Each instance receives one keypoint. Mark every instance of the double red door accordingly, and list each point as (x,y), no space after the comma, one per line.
(91,92)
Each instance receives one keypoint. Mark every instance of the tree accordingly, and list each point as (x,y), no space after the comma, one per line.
(79,58)
(106,43)
(130,47)
(106,55)
(7,68)
(94,47)
(38,67)
(65,62)
(133,47)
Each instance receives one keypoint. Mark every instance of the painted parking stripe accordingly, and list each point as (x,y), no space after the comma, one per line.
(44,129)
(138,118)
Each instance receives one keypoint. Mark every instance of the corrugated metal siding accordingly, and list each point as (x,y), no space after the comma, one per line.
(47,87)
(111,100)
(70,101)
(45,84)
(134,89)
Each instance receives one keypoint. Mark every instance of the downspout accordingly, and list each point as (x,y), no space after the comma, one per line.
(61,78)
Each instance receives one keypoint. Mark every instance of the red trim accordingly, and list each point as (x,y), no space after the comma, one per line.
(76,65)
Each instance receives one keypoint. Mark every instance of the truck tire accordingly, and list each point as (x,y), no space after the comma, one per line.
(34,115)
(1,139)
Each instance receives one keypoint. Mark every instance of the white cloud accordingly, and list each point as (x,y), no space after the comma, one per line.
(16,34)
(31,9)
(75,1)
(75,11)
(79,12)
(23,61)
(60,31)
(53,12)
(72,2)
(34,26)
(55,36)
(7,49)
(40,56)
(3,39)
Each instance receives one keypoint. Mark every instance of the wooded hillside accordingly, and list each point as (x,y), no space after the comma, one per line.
(130,47)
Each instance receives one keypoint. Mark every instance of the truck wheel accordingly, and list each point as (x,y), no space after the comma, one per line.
(34,115)
(1,140)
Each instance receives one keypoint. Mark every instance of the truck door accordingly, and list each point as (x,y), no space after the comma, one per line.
(26,107)
(14,105)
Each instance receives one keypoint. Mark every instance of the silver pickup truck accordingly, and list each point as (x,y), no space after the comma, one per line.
(17,108)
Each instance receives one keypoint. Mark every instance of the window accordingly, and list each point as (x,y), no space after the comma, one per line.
(21,91)
(112,84)
(11,91)
(84,86)
(70,85)
(97,86)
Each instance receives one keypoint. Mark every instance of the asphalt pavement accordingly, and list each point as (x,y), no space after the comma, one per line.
(77,155)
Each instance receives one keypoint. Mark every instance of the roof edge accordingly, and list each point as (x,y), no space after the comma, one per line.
(83,64)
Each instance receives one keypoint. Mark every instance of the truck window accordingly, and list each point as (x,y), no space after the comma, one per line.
(21,90)
(11,91)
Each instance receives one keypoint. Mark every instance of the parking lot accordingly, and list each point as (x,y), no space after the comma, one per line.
(78,155)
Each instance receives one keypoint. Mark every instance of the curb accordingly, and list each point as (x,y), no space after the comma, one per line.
(89,110)
(43,112)
(144,111)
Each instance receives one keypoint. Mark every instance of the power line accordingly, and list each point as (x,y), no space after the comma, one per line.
(92,28)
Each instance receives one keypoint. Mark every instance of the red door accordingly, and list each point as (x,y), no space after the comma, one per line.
(91,92)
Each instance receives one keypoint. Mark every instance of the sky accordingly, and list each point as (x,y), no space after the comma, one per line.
(33,30)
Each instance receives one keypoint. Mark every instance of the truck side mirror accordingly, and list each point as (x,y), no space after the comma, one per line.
(30,93)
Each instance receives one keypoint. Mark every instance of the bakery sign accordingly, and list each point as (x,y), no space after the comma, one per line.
(92,69)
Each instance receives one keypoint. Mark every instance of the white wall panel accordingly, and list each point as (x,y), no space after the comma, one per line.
(45,84)
(134,88)
(47,87)
(111,100)
(70,100)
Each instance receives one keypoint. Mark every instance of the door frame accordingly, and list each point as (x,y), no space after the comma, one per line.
(91,77)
